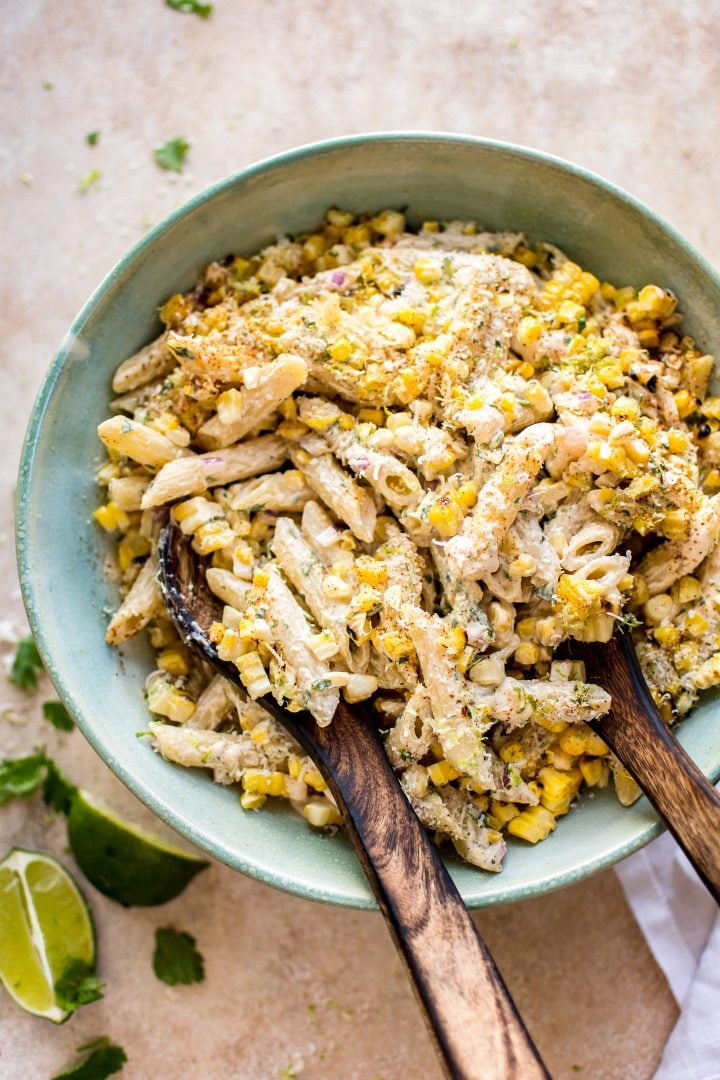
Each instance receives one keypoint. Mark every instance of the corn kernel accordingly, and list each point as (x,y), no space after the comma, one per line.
(341,349)
(675,525)
(685,403)
(529,330)
(252,674)
(466,495)
(445,517)
(321,813)
(454,639)
(678,441)
(490,671)
(112,518)
(696,624)
(503,812)
(523,566)
(427,271)
(708,674)
(527,653)
(132,547)
(595,772)
(660,609)
(512,752)
(396,643)
(442,772)
(174,661)
(534,824)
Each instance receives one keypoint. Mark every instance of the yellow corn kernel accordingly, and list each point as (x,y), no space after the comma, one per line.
(174,661)
(678,442)
(216,631)
(252,674)
(657,302)
(708,674)
(685,403)
(675,525)
(132,547)
(595,772)
(388,223)
(712,480)
(625,408)
(321,813)
(166,700)
(427,271)
(526,628)
(371,416)
(607,291)
(667,636)
(503,812)
(512,752)
(686,589)
(529,330)
(685,656)
(569,312)
(356,236)
(454,639)
(626,789)
(445,517)
(369,571)
(660,609)
(430,226)
(624,296)
(525,370)
(525,256)
(341,349)
(442,772)
(649,338)
(335,588)
(559,788)
(581,739)
(212,536)
(711,408)
(112,518)
(534,824)
(251,800)
(466,495)
(696,624)
(580,595)
(293,430)
(314,779)
(395,643)
(175,310)
(523,566)
(411,317)
(527,653)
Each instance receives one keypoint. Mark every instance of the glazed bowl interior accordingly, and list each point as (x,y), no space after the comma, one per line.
(61,555)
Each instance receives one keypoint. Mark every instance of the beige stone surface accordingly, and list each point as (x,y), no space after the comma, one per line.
(629,90)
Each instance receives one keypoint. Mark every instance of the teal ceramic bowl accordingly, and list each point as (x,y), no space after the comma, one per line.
(61,554)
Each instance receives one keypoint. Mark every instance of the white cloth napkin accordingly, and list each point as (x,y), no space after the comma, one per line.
(681,923)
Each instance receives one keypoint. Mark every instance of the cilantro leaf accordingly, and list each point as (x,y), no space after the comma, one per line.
(21,777)
(191,7)
(171,155)
(628,621)
(92,138)
(78,985)
(26,665)
(176,960)
(57,715)
(58,792)
(87,181)
(103,1060)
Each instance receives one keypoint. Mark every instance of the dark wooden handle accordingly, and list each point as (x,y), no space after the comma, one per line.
(637,734)
(477,1029)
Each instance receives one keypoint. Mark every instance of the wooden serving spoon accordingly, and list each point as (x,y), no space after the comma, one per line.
(639,737)
(472,1019)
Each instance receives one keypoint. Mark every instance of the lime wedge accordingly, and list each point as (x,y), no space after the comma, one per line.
(122,860)
(44,924)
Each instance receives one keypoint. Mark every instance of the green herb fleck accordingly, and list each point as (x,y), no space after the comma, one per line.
(333,1004)
(320,684)
(191,7)
(103,1059)
(21,777)
(311,1010)
(92,138)
(57,715)
(171,155)
(577,1068)
(628,621)
(47,85)
(58,792)
(88,181)
(26,665)
(176,960)
(78,985)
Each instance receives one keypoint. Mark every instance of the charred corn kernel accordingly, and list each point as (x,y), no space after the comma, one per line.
(686,589)
(341,349)
(251,800)
(667,636)
(685,403)
(132,547)
(396,643)
(523,566)
(112,518)
(678,442)
(675,525)
(529,330)
(335,588)
(490,671)
(212,536)
(174,661)
(512,752)
(534,824)
(466,495)
(321,813)
(164,699)
(324,645)
(581,739)
(445,516)
(252,674)
(369,571)
(427,271)
(527,653)
(660,609)
(580,596)
(708,674)
(595,772)
(442,772)
(454,639)
(359,688)
(695,624)
(503,811)
(626,789)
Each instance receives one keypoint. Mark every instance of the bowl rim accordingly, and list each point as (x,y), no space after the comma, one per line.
(30,588)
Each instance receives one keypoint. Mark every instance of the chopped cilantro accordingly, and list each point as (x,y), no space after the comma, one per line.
(171,155)
(92,138)
(176,960)
(320,684)
(628,621)
(21,777)
(78,985)
(103,1059)
(191,7)
(26,665)
(58,792)
(311,1010)
(88,181)
(47,85)
(56,714)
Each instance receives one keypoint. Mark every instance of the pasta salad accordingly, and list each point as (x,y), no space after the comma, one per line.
(416,462)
